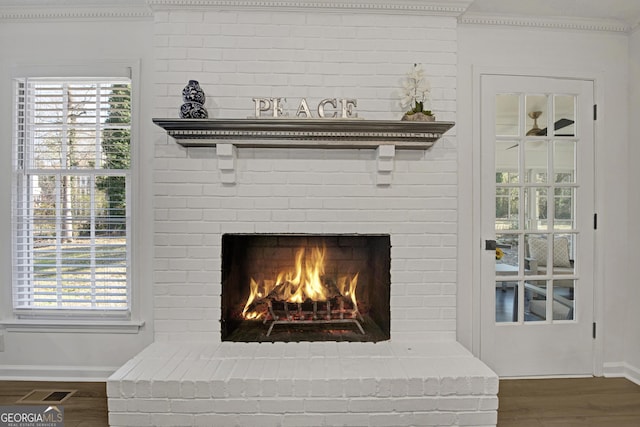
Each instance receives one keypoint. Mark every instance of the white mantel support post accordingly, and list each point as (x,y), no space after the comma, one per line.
(385,155)
(227,154)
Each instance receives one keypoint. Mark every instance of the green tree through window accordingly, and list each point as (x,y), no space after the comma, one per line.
(116,151)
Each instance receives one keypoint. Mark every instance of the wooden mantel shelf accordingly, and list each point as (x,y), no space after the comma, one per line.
(304,133)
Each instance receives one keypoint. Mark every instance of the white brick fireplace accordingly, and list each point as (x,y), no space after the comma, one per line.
(421,376)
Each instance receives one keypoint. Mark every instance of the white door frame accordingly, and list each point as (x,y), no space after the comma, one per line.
(477,241)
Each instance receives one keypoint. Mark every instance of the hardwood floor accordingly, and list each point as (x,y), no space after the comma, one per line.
(584,402)
(87,407)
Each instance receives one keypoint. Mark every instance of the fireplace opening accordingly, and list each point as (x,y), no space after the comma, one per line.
(305,287)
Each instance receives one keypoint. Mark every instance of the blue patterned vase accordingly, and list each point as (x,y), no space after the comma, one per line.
(193,110)
(192,92)
(193,97)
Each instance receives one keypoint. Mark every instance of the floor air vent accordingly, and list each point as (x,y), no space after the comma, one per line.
(47,396)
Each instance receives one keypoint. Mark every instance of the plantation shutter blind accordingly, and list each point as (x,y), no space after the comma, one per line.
(71,195)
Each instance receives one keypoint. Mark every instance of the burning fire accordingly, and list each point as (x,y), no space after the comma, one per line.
(306,281)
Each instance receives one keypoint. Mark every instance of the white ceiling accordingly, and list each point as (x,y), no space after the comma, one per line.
(624,11)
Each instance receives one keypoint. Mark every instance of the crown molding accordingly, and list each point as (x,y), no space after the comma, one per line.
(550,22)
(39,10)
(443,7)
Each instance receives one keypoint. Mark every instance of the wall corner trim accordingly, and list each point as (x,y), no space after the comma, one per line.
(622,369)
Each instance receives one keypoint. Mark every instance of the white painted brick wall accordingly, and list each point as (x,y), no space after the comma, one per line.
(240,54)
(309,191)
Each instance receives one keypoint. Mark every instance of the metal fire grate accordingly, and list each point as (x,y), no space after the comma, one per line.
(47,396)
(335,311)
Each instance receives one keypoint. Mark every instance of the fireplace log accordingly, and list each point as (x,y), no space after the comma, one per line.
(273,307)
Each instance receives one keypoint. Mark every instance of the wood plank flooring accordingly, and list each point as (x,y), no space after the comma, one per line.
(87,407)
(584,402)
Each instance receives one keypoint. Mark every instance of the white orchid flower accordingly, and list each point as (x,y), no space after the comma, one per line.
(416,88)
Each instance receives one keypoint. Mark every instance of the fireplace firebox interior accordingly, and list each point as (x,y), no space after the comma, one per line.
(305,287)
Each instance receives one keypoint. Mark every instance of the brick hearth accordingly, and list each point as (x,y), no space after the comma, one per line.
(303,384)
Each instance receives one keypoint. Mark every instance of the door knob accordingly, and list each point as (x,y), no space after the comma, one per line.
(490,245)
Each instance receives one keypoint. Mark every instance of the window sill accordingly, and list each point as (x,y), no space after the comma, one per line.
(73,326)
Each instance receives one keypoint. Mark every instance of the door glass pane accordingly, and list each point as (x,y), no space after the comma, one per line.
(536,208)
(563,299)
(507,260)
(507,265)
(563,205)
(507,153)
(535,161)
(536,122)
(536,254)
(508,116)
(507,208)
(564,115)
(535,304)
(506,300)
(564,161)
(563,256)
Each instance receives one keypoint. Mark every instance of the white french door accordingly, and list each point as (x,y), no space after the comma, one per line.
(537,207)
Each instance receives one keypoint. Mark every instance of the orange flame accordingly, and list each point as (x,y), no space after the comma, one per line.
(348,288)
(253,293)
(304,282)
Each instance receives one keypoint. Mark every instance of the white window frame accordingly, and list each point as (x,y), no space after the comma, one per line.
(97,320)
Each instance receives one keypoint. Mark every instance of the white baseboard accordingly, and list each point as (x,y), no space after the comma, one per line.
(56,373)
(622,369)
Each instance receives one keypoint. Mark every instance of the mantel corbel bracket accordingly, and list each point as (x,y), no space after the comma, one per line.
(227,154)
